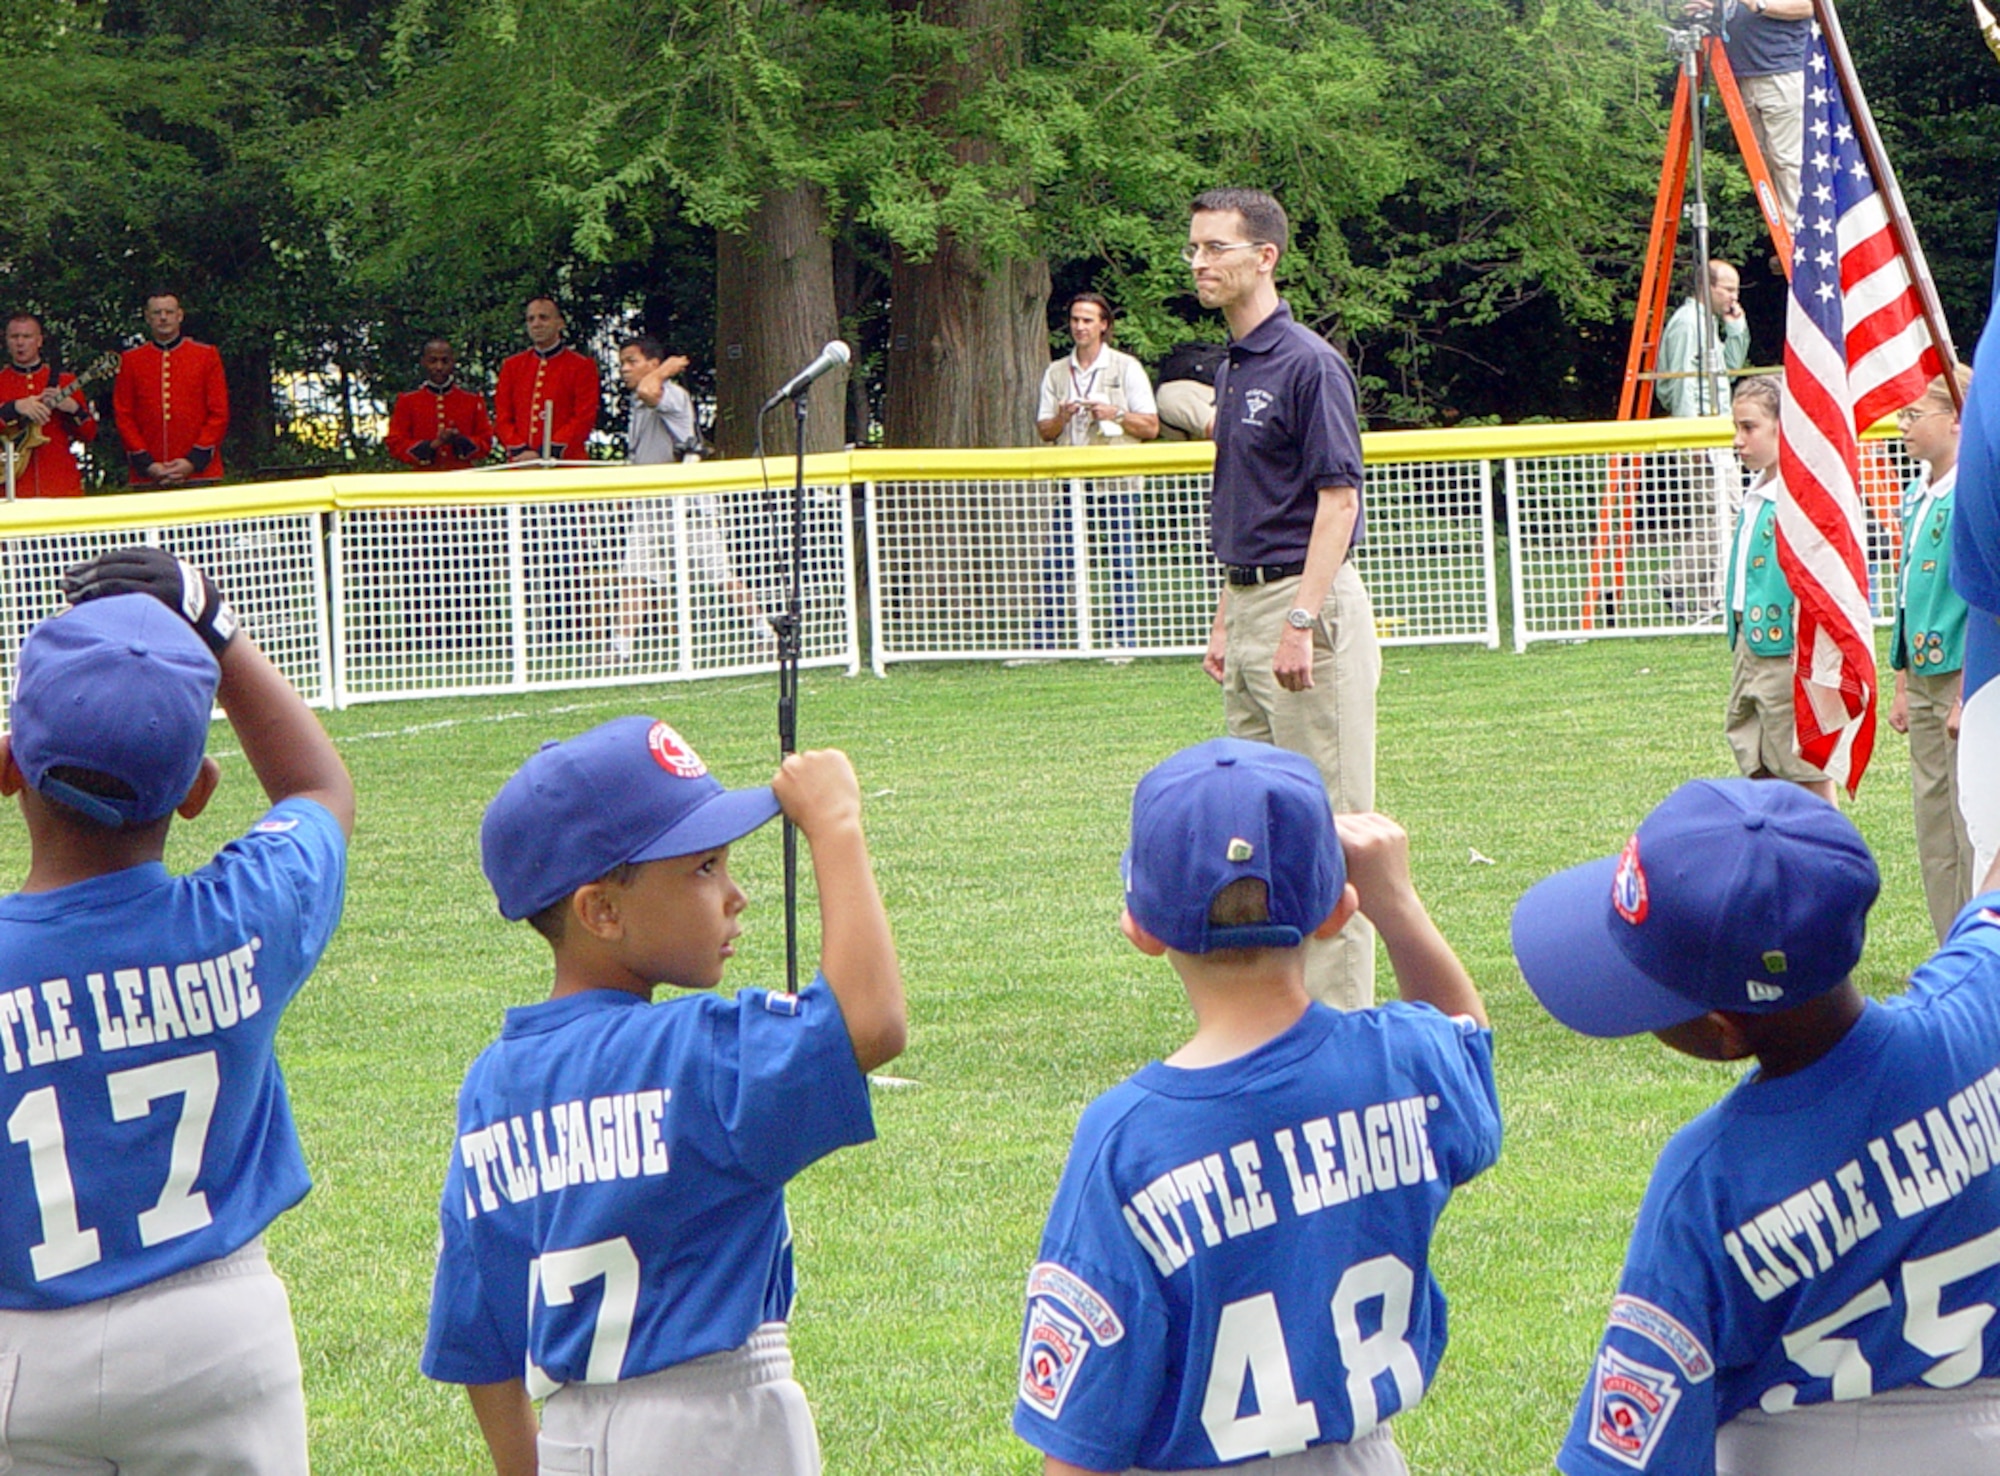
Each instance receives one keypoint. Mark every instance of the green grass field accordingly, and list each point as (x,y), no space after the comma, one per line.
(996,803)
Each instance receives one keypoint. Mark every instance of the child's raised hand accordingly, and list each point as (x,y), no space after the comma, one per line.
(818,790)
(1378,861)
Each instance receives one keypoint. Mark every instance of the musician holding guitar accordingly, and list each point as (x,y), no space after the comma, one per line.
(41,412)
(439,425)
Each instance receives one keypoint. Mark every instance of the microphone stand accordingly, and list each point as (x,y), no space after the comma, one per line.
(790,628)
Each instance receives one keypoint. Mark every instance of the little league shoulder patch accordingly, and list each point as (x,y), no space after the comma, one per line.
(1066,1318)
(1665,1332)
(1630,1405)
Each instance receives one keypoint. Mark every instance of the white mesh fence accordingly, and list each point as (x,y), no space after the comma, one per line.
(375,601)
(1633,543)
(1121,565)
(271,568)
(485,598)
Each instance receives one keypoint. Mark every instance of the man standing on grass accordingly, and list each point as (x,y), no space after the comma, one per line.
(171,403)
(1293,643)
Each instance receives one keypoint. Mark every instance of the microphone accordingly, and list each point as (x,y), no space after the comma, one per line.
(830,357)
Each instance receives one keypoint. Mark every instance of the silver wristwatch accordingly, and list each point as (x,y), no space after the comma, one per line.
(1299,619)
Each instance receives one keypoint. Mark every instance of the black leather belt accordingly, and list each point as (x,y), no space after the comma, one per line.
(1245,574)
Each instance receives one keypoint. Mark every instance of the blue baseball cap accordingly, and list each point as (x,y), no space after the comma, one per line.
(123,687)
(1734,894)
(631,789)
(1217,813)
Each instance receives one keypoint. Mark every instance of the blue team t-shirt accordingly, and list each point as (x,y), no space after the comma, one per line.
(615,1199)
(148,1128)
(1823,1236)
(1286,425)
(1237,1262)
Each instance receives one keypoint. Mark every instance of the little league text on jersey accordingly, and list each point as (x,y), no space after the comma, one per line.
(1922,1163)
(1328,1161)
(133,1007)
(586,1141)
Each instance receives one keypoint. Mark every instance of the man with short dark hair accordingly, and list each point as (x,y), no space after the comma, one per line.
(1293,643)
(170,402)
(440,425)
(41,412)
(545,405)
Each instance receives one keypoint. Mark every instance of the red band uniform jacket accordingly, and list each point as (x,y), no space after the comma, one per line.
(50,469)
(561,377)
(171,402)
(440,429)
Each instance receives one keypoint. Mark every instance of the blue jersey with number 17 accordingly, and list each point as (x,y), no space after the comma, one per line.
(147,1127)
(1237,1261)
(615,1202)
(1826,1235)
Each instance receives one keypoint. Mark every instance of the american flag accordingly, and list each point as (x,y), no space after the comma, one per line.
(1856,348)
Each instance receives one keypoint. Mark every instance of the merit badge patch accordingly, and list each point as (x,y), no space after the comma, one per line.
(1630,1405)
(1066,1318)
(1628,884)
(1665,1332)
(672,753)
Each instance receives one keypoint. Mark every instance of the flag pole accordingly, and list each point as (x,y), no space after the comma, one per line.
(1900,225)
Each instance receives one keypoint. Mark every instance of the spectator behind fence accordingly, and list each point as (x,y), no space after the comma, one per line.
(41,412)
(1760,610)
(1095,396)
(170,402)
(1688,529)
(1927,650)
(661,428)
(1186,394)
(1293,641)
(440,425)
(545,405)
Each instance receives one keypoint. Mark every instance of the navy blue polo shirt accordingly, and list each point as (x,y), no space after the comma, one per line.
(1764,46)
(1286,425)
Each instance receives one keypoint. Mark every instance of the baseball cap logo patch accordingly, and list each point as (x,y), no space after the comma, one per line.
(672,753)
(1628,884)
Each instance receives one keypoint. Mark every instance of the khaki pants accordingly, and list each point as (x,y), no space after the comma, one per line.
(1944,850)
(1759,723)
(1776,105)
(1333,724)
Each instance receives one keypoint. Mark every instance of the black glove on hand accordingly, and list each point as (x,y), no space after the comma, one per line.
(175,583)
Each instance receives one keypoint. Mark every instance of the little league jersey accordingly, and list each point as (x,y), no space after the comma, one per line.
(615,1202)
(1831,1234)
(148,1129)
(1237,1261)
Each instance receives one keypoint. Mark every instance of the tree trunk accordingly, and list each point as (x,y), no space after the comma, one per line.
(968,335)
(774,312)
(968,344)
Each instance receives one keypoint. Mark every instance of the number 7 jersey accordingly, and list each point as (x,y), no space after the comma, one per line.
(1237,1261)
(1824,1236)
(147,1126)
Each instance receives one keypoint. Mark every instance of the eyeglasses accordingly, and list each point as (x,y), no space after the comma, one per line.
(1908,417)
(1214,250)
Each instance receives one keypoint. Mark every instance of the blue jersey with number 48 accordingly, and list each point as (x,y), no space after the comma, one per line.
(147,1127)
(1827,1235)
(1237,1261)
(615,1202)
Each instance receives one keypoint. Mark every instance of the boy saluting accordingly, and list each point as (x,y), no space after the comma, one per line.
(148,1136)
(1236,1265)
(614,1227)
(1811,1284)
